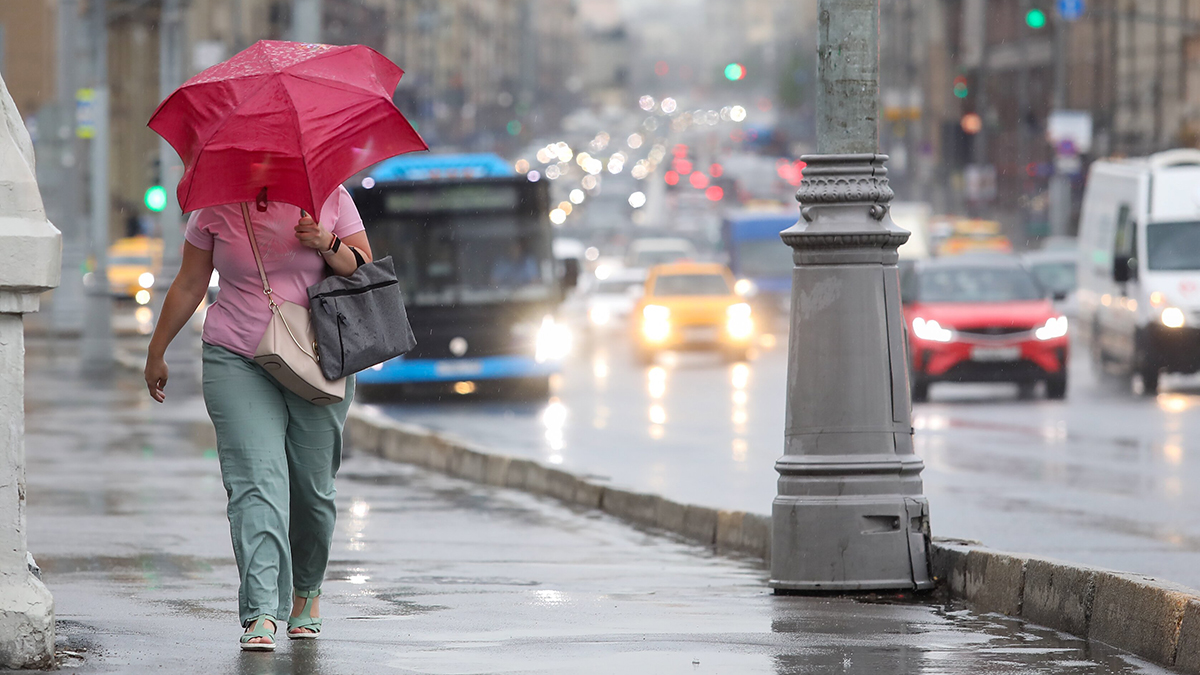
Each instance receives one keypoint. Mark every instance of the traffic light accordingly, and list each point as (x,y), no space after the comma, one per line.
(960,87)
(735,72)
(1035,18)
(156,198)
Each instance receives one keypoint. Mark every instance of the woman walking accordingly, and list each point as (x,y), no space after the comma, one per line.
(278,452)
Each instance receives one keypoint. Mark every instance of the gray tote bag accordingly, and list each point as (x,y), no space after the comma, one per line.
(360,320)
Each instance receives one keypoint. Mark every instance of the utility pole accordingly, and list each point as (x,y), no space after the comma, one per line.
(97,347)
(66,313)
(1060,182)
(306,20)
(181,354)
(849,514)
(1023,113)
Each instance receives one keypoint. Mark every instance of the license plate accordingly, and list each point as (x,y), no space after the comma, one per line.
(704,334)
(458,368)
(995,353)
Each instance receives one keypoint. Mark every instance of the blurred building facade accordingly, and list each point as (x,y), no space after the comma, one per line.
(970,87)
(27,47)
(481,74)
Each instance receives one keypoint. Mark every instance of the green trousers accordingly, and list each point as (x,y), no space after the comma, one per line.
(279,455)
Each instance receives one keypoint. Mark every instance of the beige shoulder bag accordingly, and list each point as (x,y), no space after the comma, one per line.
(288,350)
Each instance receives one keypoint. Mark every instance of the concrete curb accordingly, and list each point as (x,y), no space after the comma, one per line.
(1155,620)
(735,532)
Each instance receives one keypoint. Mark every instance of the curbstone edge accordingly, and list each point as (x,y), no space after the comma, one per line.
(1137,614)
(1058,595)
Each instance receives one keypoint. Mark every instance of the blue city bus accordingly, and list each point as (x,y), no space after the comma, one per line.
(471,241)
(761,261)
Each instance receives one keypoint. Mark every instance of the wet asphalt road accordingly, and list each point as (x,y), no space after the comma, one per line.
(1104,478)
(429,574)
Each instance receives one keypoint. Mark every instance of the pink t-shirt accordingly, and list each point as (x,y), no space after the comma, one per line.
(239,317)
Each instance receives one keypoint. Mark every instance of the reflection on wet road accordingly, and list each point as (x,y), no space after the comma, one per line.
(1103,478)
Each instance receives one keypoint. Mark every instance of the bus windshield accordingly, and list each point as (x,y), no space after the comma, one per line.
(764,258)
(468,257)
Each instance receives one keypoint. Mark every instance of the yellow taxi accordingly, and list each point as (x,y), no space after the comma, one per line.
(133,263)
(974,235)
(688,305)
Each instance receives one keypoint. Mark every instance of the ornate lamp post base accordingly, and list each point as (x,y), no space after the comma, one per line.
(849,514)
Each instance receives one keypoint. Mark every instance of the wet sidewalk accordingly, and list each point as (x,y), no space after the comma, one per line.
(433,575)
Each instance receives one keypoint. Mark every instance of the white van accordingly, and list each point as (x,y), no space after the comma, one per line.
(1139,264)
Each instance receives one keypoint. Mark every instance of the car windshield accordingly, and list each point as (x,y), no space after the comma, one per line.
(130,260)
(977,284)
(1058,277)
(691,284)
(1173,246)
(616,287)
(657,257)
(764,258)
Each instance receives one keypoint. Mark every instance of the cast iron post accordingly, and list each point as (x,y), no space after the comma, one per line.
(849,514)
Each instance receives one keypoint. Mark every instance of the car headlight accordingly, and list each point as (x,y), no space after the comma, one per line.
(738,321)
(553,341)
(931,330)
(656,313)
(1054,327)
(146,280)
(745,288)
(1172,317)
(599,315)
(657,322)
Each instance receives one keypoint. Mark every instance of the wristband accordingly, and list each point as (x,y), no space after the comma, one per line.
(333,246)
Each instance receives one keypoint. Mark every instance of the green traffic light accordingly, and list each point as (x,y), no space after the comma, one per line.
(1035,18)
(156,198)
(735,72)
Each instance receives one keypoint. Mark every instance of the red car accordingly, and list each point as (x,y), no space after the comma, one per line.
(983,319)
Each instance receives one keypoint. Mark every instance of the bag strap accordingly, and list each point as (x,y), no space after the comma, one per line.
(262,271)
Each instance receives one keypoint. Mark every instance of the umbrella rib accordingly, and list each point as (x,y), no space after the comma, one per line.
(334,84)
(303,157)
(217,127)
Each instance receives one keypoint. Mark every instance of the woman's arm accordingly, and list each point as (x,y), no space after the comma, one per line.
(342,261)
(184,296)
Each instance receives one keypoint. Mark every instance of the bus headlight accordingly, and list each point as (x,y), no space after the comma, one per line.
(738,321)
(1055,327)
(146,280)
(142,297)
(1172,317)
(745,288)
(599,315)
(656,324)
(553,341)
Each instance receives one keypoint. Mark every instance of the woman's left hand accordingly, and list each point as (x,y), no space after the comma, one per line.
(311,234)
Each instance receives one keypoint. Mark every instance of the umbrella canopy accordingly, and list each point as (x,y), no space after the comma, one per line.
(292,118)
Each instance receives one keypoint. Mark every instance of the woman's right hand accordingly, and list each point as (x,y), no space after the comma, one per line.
(156,377)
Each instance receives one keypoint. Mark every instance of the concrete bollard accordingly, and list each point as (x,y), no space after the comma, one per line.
(30,263)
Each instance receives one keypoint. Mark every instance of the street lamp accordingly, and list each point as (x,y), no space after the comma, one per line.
(849,514)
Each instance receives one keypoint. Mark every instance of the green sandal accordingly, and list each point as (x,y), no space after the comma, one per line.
(260,631)
(305,619)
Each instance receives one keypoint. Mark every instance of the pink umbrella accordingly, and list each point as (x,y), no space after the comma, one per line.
(290,118)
